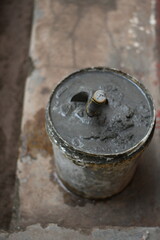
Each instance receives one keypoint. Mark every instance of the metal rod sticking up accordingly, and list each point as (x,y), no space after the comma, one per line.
(94,105)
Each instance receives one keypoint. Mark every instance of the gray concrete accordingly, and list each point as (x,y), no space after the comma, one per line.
(53,232)
(67,35)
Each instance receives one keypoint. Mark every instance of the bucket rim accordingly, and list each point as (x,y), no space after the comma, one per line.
(68,148)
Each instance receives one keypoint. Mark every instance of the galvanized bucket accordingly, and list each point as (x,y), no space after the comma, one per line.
(90,174)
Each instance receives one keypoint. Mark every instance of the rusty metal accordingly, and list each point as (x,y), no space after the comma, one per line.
(90,174)
(95,104)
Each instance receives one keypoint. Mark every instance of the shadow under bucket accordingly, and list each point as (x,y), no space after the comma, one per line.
(99,121)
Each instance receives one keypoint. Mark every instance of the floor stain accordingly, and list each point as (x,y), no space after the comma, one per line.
(35,139)
(45,90)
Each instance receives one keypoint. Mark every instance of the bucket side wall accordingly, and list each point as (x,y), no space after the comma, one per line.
(93,180)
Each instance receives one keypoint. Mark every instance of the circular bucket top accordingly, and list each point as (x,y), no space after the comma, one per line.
(124,122)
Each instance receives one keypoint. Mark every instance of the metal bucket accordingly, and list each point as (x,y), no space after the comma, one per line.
(91,175)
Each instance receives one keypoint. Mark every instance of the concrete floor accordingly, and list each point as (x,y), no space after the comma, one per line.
(68,35)
(15,26)
(52,231)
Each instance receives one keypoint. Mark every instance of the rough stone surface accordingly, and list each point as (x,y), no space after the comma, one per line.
(52,231)
(68,35)
(15,28)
